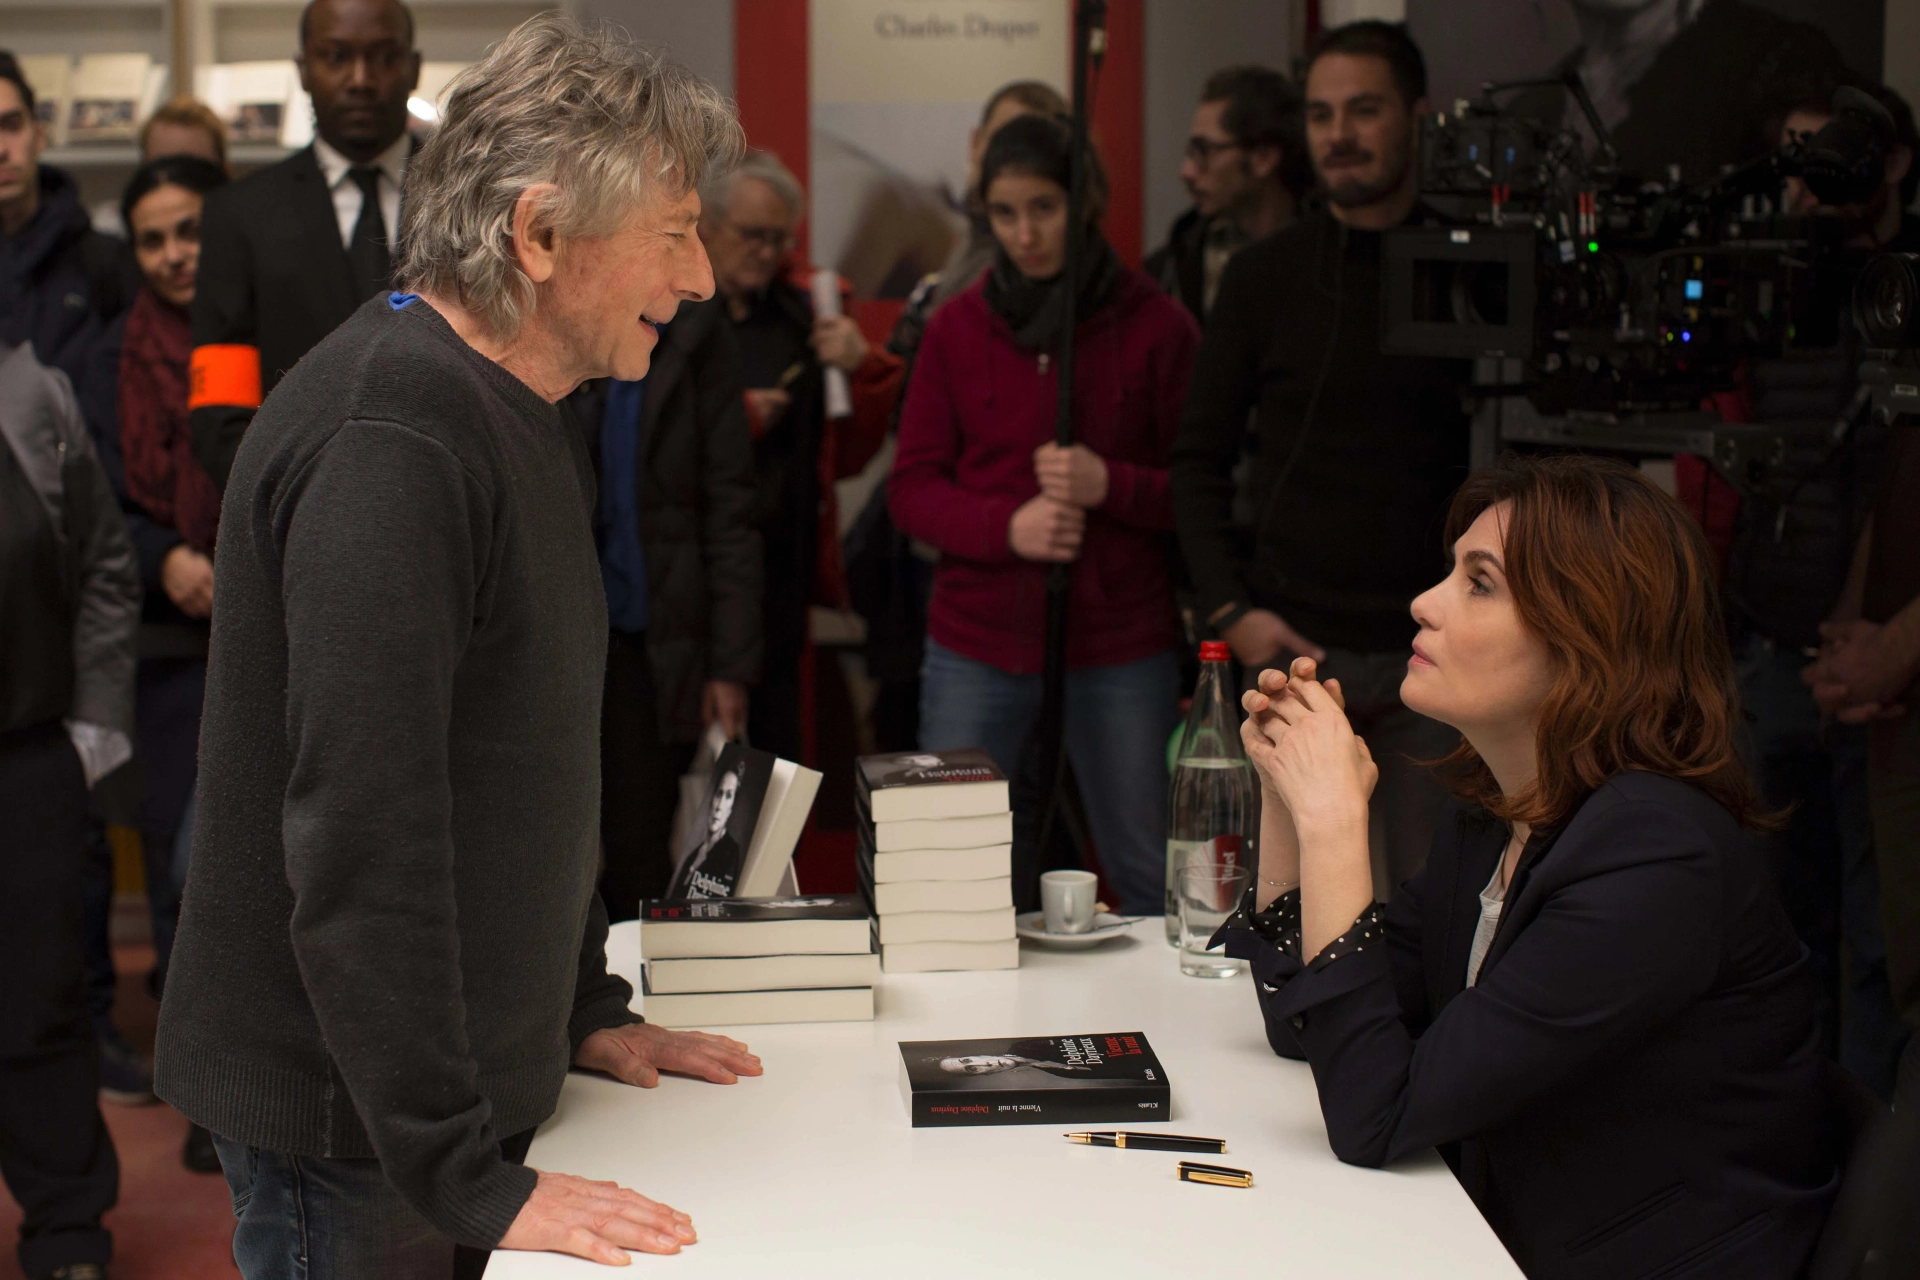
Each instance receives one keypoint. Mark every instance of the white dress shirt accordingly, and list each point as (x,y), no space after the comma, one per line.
(1493,900)
(392,164)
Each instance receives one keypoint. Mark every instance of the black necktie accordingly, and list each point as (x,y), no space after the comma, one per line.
(367,251)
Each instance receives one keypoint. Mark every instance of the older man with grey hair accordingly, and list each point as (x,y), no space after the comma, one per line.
(787,351)
(391,949)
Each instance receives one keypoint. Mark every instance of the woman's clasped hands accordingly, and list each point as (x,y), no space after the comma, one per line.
(1305,751)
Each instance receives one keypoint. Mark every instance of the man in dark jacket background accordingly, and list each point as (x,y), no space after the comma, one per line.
(1246,169)
(1358,452)
(63,290)
(680,559)
(287,253)
(62,284)
(69,609)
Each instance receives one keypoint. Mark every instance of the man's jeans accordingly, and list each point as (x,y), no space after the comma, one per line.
(313,1218)
(1824,859)
(1118,722)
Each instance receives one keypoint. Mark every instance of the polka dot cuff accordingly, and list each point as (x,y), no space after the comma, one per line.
(1279,924)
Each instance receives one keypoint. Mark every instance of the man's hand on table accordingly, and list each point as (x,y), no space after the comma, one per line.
(638,1053)
(598,1221)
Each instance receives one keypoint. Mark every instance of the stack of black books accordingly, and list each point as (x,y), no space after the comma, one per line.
(734,961)
(936,860)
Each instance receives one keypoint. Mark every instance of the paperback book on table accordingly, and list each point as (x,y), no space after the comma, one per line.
(935,957)
(756,806)
(822,924)
(905,785)
(973,831)
(746,1008)
(991,862)
(691,974)
(1101,1078)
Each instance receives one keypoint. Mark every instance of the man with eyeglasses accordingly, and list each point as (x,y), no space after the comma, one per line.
(747,222)
(1247,170)
(289,252)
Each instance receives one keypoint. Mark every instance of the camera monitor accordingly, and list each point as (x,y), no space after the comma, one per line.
(1458,291)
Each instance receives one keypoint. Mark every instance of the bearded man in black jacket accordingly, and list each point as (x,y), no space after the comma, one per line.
(1358,452)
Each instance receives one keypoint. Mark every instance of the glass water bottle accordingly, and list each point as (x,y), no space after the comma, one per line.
(1213,804)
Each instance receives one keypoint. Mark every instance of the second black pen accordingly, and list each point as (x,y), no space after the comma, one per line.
(1148,1141)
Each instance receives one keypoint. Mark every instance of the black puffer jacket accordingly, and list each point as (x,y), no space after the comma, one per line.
(696,514)
(62,285)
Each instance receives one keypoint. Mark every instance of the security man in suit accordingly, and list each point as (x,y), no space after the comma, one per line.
(290,252)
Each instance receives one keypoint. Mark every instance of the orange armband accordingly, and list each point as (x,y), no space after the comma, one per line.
(224,374)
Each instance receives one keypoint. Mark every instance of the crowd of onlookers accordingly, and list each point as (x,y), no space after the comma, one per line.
(1247,465)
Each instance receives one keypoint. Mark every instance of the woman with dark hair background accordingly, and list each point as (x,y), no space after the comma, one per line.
(1590,999)
(161,207)
(978,475)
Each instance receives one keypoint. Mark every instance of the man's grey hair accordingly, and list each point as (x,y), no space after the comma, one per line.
(609,123)
(717,190)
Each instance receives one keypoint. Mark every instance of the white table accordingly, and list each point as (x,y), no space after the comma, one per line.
(813,1171)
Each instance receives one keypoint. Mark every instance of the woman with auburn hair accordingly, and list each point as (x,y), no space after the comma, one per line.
(1590,999)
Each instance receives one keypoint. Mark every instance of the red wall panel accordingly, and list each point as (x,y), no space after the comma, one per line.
(770,81)
(1119,124)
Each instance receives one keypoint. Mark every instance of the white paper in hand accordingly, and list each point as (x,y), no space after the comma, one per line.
(826,302)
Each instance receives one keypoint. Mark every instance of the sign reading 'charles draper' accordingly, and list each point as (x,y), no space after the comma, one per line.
(886,51)
(895,88)
(972,25)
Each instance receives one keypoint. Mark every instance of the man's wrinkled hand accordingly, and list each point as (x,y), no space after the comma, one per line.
(637,1053)
(598,1221)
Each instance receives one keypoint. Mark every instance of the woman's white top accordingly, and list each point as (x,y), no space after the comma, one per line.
(1492,899)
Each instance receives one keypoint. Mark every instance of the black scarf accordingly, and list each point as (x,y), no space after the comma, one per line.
(1032,308)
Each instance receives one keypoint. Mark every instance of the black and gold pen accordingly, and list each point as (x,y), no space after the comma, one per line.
(1214,1175)
(1148,1141)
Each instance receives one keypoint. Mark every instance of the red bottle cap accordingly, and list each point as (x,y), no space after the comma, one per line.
(1214,651)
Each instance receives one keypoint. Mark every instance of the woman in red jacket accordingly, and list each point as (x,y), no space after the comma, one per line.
(978,476)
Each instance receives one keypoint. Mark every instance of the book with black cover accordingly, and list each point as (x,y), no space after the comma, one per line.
(1108,1077)
(963,783)
(711,869)
(823,924)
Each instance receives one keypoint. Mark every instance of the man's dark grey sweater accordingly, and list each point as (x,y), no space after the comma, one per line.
(391,943)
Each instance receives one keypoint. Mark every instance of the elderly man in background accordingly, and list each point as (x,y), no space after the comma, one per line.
(392,950)
(747,220)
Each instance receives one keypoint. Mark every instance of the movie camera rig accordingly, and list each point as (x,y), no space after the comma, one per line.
(1602,308)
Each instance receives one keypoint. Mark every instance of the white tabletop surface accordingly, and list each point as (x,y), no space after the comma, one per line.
(813,1171)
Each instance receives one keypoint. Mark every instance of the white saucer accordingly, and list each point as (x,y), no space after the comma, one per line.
(1106,926)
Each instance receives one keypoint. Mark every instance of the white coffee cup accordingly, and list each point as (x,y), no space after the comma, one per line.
(1067,900)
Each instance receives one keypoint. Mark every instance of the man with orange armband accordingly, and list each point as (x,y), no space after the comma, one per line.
(288,253)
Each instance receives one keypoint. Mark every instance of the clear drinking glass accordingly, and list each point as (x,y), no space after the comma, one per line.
(1208,894)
